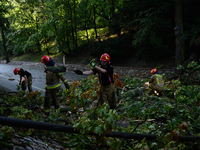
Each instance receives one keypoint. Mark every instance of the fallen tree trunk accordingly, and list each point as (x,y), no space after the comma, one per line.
(69,129)
(56,69)
(136,92)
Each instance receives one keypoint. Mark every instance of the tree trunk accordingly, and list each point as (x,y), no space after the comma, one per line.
(4,46)
(63,59)
(75,25)
(114,20)
(38,41)
(72,28)
(94,18)
(86,26)
(67,34)
(178,21)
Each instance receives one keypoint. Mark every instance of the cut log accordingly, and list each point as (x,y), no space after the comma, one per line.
(56,69)
(136,92)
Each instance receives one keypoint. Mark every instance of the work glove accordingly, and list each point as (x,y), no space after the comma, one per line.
(92,63)
(20,83)
(78,72)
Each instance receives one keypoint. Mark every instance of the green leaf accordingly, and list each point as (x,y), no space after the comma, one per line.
(1,135)
(110,119)
(99,130)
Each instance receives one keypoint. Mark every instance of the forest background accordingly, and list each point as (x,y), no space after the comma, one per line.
(139,29)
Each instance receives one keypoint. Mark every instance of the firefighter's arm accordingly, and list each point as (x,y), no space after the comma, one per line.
(97,67)
(151,80)
(45,69)
(88,72)
(79,72)
(26,80)
(100,69)
(20,79)
(64,80)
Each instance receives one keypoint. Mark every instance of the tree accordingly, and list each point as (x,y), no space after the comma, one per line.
(179,22)
(153,23)
(26,16)
(4,46)
(3,21)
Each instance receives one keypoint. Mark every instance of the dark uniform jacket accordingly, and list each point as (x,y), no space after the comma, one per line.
(105,78)
(23,72)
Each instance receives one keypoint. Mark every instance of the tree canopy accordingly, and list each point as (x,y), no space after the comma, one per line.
(139,28)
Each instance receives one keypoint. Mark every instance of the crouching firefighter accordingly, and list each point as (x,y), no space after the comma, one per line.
(53,84)
(156,83)
(105,72)
(27,78)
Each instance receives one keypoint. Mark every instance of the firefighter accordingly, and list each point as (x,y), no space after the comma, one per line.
(27,78)
(156,83)
(105,72)
(53,84)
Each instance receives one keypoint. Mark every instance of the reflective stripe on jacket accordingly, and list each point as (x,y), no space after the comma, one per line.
(156,83)
(53,80)
(53,86)
(157,79)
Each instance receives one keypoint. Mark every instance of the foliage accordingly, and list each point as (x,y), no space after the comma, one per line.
(191,73)
(142,28)
(112,46)
(168,117)
(81,93)
(153,23)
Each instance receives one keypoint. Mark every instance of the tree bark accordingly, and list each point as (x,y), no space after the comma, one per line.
(94,18)
(4,46)
(72,28)
(75,25)
(86,26)
(114,19)
(178,21)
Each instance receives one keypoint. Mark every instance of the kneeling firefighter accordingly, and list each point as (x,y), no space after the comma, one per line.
(53,85)
(156,82)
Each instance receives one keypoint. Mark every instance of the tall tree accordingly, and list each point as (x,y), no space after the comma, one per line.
(75,25)
(94,20)
(29,16)
(3,22)
(154,23)
(4,46)
(114,19)
(179,22)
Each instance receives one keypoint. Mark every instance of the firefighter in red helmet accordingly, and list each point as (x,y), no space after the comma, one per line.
(156,83)
(53,84)
(105,72)
(27,78)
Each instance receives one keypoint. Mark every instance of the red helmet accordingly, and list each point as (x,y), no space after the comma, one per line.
(45,59)
(16,71)
(105,57)
(153,71)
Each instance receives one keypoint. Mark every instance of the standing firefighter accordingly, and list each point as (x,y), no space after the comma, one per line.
(156,82)
(105,72)
(27,78)
(53,84)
